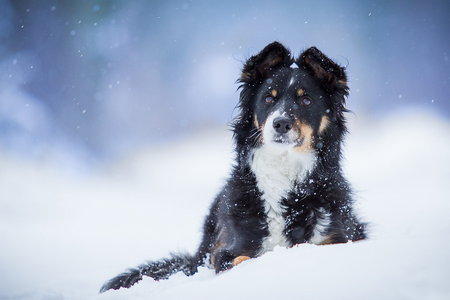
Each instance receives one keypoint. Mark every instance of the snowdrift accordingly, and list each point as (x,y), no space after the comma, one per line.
(62,236)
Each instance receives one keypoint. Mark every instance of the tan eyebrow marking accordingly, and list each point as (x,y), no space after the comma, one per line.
(300,92)
(274,92)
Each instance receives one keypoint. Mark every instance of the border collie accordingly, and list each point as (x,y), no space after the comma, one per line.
(287,186)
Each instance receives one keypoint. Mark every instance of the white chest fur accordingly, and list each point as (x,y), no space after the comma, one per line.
(276,170)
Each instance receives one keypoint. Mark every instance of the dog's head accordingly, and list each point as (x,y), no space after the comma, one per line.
(292,103)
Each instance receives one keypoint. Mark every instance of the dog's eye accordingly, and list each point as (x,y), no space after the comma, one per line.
(268,99)
(306,102)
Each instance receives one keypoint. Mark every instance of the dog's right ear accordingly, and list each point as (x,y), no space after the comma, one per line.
(271,57)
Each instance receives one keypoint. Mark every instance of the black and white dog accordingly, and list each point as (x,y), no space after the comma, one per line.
(287,185)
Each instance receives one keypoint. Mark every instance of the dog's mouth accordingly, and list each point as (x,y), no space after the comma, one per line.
(284,140)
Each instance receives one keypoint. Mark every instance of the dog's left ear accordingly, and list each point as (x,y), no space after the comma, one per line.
(330,73)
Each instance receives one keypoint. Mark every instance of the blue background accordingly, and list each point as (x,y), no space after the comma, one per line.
(85,82)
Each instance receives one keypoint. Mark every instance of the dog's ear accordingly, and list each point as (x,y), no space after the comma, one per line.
(271,57)
(330,73)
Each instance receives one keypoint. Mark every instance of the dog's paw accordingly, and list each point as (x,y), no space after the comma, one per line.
(240,259)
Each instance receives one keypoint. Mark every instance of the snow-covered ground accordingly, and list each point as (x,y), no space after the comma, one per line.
(63,236)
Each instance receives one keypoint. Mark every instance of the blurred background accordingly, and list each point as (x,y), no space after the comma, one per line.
(114,140)
(86,82)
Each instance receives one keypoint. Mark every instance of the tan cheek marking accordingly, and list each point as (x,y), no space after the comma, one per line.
(274,92)
(324,123)
(261,136)
(306,133)
(240,259)
(300,92)
(256,122)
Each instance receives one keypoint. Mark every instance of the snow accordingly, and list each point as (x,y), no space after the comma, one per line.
(63,236)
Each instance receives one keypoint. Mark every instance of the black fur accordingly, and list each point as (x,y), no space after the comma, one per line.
(310,99)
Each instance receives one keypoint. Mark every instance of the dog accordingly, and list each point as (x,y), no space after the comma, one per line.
(286,187)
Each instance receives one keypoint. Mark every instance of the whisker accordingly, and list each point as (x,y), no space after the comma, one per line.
(257,135)
(256,132)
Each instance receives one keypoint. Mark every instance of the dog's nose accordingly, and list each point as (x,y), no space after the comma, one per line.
(282,124)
